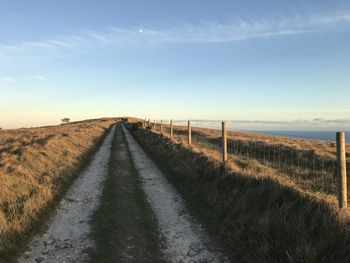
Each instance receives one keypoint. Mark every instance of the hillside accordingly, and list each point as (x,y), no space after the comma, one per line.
(260,211)
(35,166)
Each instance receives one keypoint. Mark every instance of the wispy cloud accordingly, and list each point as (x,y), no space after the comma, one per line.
(315,121)
(301,124)
(299,121)
(7,79)
(239,30)
(40,77)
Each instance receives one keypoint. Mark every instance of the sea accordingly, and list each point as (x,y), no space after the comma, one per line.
(329,136)
(300,134)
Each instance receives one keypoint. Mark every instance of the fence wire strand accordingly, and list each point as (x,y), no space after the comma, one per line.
(305,164)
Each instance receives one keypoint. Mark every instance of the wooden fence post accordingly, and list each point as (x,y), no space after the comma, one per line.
(189,133)
(171,130)
(224,142)
(161,127)
(341,171)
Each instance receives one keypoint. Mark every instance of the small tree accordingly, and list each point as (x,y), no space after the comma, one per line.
(65,120)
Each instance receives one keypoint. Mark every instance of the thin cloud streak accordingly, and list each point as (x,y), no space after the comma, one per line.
(240,30)
(39,77)
(300,121)
(7,79)
(314,124)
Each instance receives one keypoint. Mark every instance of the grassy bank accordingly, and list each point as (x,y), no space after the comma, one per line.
(311,165)
(321,148)
(258,215)
(36,166)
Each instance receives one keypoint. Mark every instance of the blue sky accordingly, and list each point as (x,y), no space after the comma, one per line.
(273,61)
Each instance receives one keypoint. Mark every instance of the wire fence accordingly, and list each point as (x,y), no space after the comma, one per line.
(307,164)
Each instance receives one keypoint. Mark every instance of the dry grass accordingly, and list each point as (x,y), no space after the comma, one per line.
(35,164)
(321,148)
(315,171)
(258,213)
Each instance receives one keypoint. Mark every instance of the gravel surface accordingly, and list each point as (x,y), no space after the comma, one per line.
(185,239)
(67,237)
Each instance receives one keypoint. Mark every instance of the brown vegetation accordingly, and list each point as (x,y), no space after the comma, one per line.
(259,213)
(310,165)
(35,165)
(321,148)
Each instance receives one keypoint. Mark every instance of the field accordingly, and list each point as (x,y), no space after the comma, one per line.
(259,211)
(309,165)
(274,200)
(35,166)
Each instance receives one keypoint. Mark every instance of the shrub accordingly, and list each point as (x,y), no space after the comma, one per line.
(65,120)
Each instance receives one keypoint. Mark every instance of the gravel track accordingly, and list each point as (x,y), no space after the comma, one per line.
(67,237)
(185,239)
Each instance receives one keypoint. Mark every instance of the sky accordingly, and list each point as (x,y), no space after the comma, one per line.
(269,63)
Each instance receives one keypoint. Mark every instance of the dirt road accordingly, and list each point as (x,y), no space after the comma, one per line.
(185,239)
(122,209)
(124,225)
